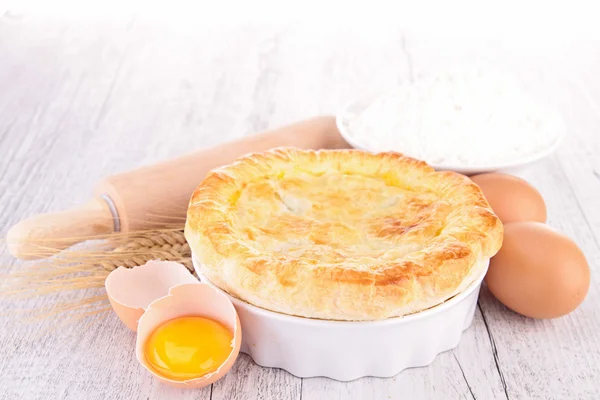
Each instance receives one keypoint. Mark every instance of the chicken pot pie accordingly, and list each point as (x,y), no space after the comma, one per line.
(340,234)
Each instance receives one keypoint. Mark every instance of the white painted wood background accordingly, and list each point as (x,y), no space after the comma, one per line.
(80,100)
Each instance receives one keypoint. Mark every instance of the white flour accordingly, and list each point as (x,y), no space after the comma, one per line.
(463,117)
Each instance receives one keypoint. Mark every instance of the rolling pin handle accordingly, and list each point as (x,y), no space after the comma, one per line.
(44,235)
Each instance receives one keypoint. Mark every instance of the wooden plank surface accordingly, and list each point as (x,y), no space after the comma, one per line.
(79,101)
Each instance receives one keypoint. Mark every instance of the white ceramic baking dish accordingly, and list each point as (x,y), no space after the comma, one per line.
(344,350)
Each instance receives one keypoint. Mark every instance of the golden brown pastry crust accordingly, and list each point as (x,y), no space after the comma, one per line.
(340,234)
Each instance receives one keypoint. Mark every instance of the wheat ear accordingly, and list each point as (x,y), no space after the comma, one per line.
(88,267)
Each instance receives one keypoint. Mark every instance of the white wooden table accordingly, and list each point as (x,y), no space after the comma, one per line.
(79,101)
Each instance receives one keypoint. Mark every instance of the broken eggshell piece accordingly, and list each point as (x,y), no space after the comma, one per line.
(148,296)
(131,290)
(196,299)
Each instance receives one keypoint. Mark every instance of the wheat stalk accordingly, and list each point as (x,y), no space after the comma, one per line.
(88,267)
(168,245)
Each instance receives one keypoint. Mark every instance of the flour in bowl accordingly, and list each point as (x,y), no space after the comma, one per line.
(466,117)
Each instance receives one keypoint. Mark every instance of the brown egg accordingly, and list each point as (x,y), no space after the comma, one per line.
(538,272)
(511,198)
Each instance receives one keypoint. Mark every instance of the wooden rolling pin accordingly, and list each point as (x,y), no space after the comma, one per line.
(156,195)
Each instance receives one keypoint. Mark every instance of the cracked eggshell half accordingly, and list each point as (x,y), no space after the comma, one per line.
(197,299)
(131,290)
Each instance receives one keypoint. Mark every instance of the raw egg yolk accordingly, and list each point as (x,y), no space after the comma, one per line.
(188,347)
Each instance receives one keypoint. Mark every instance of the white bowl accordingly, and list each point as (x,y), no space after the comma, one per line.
(345,351)
(356,106)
